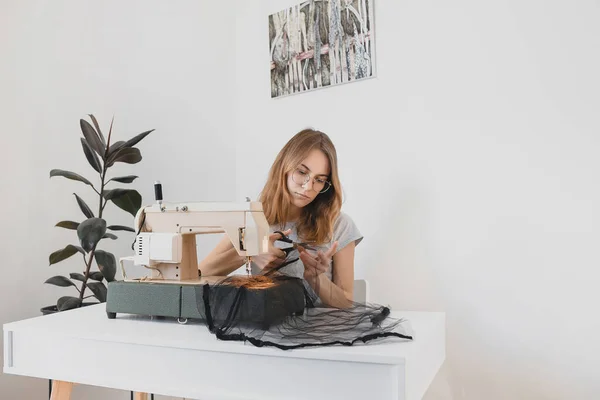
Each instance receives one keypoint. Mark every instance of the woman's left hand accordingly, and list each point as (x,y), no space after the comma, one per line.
(315,265)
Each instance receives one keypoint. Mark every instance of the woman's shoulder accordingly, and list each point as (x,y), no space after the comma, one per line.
(342,220)
(345,230)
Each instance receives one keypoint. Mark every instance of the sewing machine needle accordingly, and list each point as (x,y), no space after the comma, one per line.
(248,264)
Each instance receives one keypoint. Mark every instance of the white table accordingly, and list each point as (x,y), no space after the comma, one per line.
(163,357)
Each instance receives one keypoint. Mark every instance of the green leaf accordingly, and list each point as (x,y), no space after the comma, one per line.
(92,137)
(129,155)
(84,207)
(115,147)
(90,232)
(67,303)
(126,199)
(120,228)
(70,175)
(97,126)
(114,193)
(108,235)
(124,179)
(77,276)
(135,140)
(65,253)
(91,156)
(107,264)
(96,275)
(60,280)
(68,224)
(99,290)
(108,139)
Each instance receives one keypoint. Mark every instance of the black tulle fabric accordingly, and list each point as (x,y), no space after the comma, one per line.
(283,312)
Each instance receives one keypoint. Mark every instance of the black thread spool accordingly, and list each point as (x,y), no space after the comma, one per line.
(158,196)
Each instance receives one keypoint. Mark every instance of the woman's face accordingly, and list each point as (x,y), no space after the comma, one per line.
(301,182)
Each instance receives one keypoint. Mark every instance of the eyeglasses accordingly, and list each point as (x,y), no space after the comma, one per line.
(301,177)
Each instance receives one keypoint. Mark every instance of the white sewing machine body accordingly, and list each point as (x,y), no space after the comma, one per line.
(166,242)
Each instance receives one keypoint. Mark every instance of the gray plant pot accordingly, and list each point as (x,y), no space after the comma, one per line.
(52,309)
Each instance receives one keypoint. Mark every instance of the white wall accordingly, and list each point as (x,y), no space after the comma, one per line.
(151,64)
(471,166)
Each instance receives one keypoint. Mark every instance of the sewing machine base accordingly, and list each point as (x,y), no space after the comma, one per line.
(263,307)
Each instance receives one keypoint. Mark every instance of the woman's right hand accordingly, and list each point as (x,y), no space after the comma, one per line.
(274,257)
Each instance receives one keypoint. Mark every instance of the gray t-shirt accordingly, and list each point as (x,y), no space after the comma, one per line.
(344,232)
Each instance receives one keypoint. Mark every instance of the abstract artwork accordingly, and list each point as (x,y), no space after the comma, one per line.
(321,43)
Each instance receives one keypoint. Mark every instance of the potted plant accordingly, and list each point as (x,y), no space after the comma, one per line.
(101,154)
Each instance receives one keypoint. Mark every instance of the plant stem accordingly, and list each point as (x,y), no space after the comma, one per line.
(100,209)
(87,273)
(100,206)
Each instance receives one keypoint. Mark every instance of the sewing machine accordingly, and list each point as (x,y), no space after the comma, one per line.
(166,245)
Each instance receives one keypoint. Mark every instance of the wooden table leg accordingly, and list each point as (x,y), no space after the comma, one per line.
(61,390)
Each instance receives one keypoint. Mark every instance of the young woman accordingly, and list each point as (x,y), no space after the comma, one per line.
(303,198)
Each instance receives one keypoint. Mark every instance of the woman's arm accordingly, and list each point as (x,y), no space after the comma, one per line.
(343,270)
(339,292)
(222,260)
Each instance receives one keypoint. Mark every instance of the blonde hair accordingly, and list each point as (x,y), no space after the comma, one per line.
(316,220)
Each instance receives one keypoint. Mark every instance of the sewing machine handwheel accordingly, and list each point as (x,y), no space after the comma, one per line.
(111,315)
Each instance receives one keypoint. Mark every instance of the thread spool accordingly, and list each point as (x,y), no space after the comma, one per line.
(158,196)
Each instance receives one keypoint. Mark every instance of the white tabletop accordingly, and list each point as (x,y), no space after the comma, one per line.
(419,359)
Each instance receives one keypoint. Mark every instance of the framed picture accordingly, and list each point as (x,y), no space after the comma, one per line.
(321,43)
